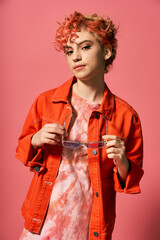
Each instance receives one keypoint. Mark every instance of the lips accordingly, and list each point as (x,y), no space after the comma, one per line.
(79,67)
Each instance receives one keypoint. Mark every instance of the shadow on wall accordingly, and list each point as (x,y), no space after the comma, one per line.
(152,229)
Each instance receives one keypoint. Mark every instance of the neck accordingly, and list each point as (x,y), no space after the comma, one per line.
(90,90)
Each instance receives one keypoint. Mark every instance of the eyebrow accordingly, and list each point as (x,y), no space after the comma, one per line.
(66,47)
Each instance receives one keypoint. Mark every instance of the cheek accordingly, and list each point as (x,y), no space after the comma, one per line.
(98,57)
(97,61)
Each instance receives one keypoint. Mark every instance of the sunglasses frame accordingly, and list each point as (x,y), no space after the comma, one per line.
(81,144)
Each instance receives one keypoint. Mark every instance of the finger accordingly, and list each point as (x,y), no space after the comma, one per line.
(114,156)
(109,137)
(49,138)
(114,150)
(112,137)
(55,125)
(116,142)
(54,129)
(113,143)
(51,142)
(53,136)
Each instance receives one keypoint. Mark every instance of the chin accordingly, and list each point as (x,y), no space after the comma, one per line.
(82,76)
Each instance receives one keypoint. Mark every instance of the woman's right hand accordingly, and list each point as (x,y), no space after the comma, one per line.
(49,134)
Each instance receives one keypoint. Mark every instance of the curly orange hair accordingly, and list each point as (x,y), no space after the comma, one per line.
(102,28)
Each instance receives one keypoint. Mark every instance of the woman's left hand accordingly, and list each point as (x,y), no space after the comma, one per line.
(115,149)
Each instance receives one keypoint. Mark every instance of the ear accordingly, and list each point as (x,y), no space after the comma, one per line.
(107,52)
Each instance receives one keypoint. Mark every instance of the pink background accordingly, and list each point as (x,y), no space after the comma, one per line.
(30,65)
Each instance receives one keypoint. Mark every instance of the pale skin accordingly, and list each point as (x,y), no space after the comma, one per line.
(86,58)
(116,150)
(49,134)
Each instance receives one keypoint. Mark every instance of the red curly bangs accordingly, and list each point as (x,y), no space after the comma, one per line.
(103,28)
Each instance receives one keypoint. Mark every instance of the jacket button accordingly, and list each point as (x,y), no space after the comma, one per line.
(96,115)
(96,234)
(97,194)
(94,152)
(37,169)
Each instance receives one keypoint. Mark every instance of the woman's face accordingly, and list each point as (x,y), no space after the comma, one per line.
(85,56)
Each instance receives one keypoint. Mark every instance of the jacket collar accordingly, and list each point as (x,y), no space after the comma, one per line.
(107,106)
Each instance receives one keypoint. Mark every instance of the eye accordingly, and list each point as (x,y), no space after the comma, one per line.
(86,47)
(69,52)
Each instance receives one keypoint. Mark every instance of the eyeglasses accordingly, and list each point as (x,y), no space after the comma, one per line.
(76,145)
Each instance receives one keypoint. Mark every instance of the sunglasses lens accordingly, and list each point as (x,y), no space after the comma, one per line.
(101,144)
(96,144)
(70,144)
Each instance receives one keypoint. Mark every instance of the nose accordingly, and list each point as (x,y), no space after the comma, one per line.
(77,56)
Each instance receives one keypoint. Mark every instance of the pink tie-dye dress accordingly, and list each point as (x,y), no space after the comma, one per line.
(70,205)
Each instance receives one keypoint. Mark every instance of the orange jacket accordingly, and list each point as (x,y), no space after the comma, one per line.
(122,120)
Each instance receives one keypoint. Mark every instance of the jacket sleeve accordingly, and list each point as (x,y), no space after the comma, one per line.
(134,154)
(24,152)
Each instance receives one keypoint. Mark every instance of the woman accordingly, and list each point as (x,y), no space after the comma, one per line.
(83,142)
